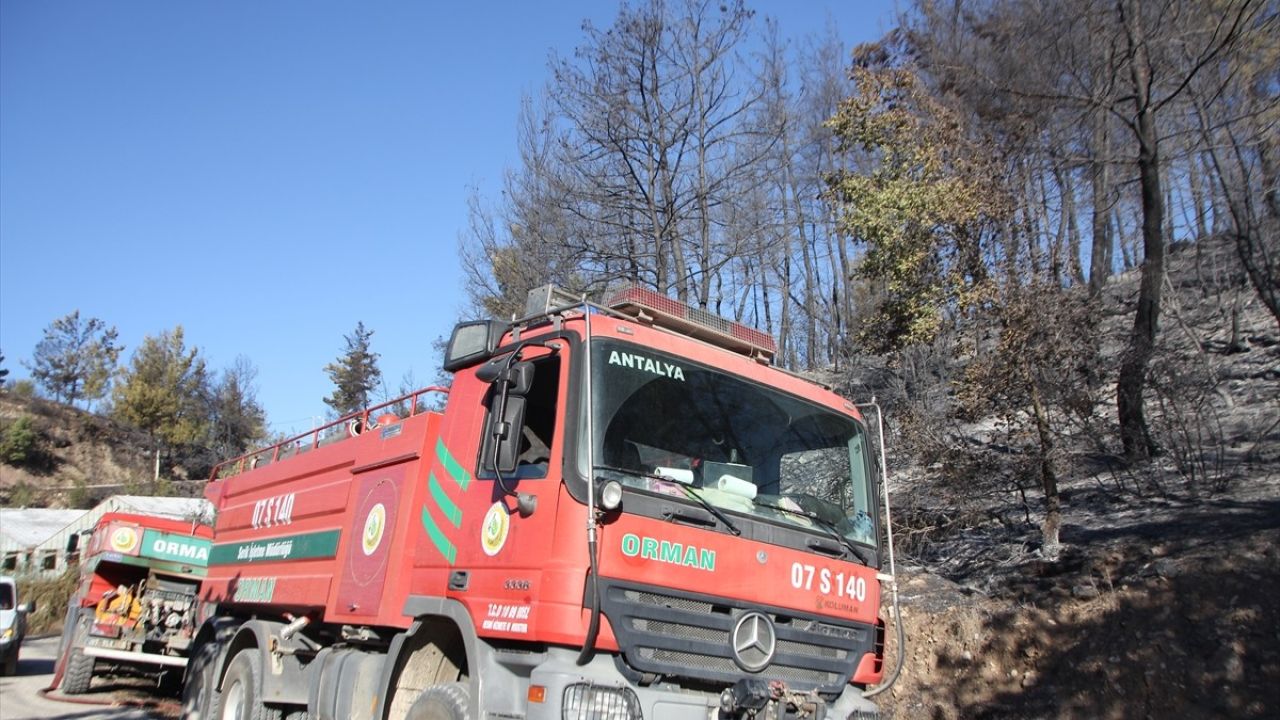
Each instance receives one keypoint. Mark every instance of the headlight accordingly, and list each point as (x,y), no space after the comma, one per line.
(611,495)
(592,702)
(8,633)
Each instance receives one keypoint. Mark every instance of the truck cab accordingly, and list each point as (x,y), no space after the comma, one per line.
(736,524)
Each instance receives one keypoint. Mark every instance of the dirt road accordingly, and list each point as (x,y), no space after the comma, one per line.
(20,698)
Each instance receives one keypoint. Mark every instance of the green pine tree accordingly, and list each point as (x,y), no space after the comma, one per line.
(76,359)
(165,390)
(237,419)
(355,374)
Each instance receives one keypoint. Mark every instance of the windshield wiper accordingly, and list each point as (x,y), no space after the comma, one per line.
(689,492)
(709,507)
(826,525)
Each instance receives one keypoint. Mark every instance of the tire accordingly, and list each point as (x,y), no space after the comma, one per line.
(200,687)
(78,675)
(450,701)
(242,688)
(10,666)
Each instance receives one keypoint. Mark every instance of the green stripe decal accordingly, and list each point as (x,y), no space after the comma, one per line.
(447,506)
(437,538)
(451,466)
(307,546)
(443,503)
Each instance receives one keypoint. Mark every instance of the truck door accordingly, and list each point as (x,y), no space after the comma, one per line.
(377,496)
(472,525)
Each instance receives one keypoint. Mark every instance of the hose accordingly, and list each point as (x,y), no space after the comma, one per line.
(593,630)
(893,569)
(593,571)
(901,634)
(168,708)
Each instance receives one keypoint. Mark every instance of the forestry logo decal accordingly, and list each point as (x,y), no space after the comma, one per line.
(494,529)
(124,540)
(373,528)
(374,525)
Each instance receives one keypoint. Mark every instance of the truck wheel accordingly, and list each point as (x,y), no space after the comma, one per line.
(241,688)
(451,701)
(79,673)
(200,687)
(10,664)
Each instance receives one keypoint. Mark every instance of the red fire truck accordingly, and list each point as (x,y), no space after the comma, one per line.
(135,610)
(623,511)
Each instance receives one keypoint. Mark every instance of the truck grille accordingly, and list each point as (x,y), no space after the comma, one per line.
(678,634)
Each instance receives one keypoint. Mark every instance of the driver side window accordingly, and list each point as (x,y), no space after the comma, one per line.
(539,426)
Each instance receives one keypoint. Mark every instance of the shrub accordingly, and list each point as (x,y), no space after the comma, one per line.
(19,443)
(51,596)
(22,495)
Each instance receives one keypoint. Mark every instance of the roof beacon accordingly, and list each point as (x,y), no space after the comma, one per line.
(656,308)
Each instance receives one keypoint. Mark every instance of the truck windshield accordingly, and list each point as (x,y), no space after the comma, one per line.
(665,425)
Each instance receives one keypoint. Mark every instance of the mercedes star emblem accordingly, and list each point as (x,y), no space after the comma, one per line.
(754,641)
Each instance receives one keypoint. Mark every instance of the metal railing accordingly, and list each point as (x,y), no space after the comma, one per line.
(345,427)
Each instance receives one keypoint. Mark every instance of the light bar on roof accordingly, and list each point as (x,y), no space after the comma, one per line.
(675,315)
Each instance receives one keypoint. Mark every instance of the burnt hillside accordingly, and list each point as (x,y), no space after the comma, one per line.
(64,457)
(1164,598)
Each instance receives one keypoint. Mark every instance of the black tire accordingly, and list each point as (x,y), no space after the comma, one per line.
(199,686)
(10,666)
(78,675)
(239,698)
(450,701)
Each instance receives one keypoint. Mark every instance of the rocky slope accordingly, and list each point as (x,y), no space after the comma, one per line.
(1165,601)
(77,459)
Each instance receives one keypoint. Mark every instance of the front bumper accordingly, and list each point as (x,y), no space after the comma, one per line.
(560,672)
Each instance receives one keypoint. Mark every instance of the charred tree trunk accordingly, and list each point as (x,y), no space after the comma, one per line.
(1135,436)
(1048,479)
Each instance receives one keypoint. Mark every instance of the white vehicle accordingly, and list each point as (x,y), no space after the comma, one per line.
(13,624)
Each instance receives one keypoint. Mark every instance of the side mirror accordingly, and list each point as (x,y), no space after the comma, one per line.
(507,432)
(27,607)
(472,342)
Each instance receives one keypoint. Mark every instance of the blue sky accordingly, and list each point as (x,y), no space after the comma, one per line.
(266,174)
